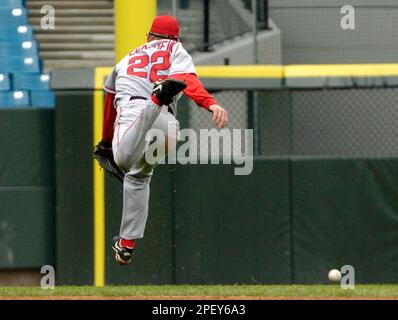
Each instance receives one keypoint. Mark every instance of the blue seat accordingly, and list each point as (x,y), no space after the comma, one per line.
(42,98)
(16,16)
(31,81)
(16,33)
(24,48)
(4,82)
(21,82)
(11,64)
(12,3)
(14,99)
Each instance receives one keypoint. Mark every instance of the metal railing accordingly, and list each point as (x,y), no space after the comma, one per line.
(205,23)
(262,12)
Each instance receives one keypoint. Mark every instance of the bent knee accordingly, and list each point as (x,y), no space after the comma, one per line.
(122,159)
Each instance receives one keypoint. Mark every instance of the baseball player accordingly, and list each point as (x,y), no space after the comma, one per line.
(141,93)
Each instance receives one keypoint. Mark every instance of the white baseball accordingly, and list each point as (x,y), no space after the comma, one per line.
(334,275)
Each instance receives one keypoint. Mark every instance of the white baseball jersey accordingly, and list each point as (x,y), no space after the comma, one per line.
(135,74)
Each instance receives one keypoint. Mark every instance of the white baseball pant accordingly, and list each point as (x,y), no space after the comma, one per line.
(134,119)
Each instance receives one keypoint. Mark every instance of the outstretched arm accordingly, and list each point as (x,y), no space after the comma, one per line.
(203,98)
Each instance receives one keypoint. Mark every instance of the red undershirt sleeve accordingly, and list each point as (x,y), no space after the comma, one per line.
(109,118)
(195,90)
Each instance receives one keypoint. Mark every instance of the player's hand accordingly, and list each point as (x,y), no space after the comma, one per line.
(220,115)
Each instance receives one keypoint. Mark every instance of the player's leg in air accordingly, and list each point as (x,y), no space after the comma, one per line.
(129,146)
(128,88)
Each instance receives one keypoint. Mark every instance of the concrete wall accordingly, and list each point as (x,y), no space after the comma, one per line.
(239,51)
(311,31)
(20,277)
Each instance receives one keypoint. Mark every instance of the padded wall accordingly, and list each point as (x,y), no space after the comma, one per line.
(26,188)
(345,212)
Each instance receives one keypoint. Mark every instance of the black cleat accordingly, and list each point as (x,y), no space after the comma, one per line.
(123,255)
(165,90)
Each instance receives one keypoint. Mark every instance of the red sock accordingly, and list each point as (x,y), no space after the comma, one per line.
(127,243)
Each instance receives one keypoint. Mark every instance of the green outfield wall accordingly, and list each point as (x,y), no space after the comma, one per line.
(27,194)
(298,215)
(290,221)
(345,212)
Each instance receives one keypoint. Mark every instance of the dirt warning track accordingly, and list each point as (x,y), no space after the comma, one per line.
(190,298)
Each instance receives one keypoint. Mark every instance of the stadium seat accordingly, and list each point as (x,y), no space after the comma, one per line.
(31,81)
(42,98)
(14,99)
(22,83)
(24,48)
(11,64)
(15,33)
(12,3)
(16,16)
(4,82)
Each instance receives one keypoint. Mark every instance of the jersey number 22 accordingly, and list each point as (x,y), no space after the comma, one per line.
(160,61)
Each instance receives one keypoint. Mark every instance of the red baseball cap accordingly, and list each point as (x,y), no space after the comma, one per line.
(165,27)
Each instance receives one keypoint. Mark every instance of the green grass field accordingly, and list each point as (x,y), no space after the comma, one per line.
(272,291)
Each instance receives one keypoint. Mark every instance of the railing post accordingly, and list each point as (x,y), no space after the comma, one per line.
(255,30)
(174,10)
(206,26)
(263,14)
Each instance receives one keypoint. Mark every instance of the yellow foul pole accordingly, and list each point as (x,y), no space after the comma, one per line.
(98,185)
(133,19)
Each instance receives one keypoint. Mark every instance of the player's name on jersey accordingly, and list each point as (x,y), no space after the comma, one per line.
(166,45)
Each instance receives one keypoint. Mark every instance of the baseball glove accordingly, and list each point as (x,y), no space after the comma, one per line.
(104,155)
